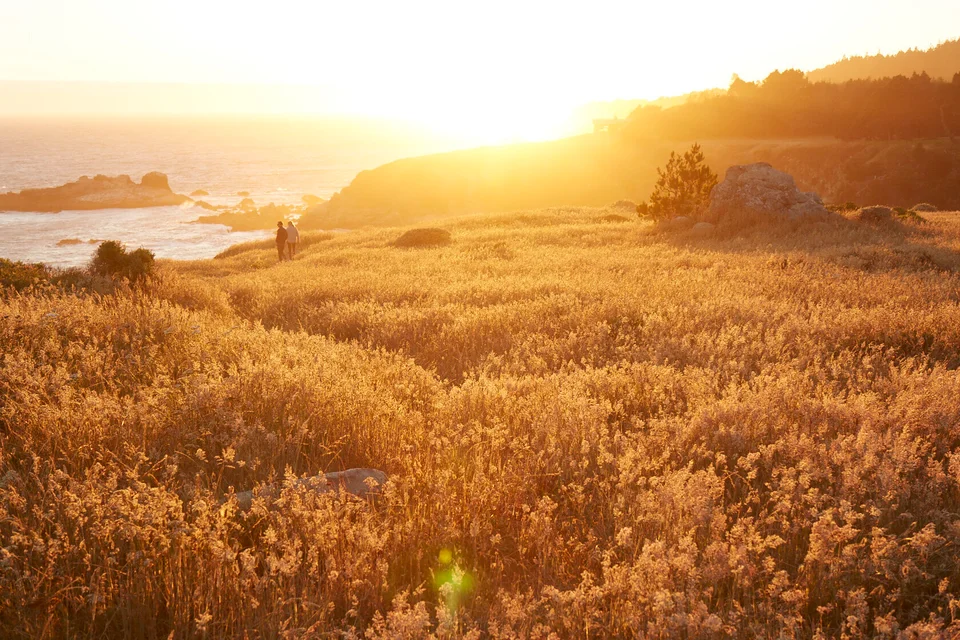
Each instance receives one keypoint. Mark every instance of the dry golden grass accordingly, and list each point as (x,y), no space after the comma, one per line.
(592,430)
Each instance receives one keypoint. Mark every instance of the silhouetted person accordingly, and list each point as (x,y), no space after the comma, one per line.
(281,240)
(293,239)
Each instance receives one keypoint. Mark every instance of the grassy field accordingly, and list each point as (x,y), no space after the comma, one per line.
(591,430)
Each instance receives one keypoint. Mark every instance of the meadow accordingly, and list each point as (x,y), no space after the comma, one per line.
(591,429)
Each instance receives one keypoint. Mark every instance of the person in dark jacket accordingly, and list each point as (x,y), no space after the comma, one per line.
(281,240)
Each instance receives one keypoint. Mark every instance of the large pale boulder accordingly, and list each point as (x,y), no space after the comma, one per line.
(359,482)
(760,192)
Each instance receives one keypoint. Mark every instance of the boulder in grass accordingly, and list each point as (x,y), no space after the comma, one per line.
(925,207)
(702,229)
(359,482)
(423,238)
(758,192)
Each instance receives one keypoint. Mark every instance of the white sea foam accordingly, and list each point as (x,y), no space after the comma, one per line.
(170,232)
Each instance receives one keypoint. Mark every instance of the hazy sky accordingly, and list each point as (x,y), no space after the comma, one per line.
(437,59)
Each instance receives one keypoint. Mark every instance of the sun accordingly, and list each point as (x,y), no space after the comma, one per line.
(474,116)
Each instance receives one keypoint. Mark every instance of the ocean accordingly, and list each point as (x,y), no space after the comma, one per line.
(274,159)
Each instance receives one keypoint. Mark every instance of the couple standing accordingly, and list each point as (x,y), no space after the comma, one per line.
(287,240)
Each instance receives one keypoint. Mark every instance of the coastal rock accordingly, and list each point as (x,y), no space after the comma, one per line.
(760,192)
(199,193)
(99,192)
(359,482)
(155,180)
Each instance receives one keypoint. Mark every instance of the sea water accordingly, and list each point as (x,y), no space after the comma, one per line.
(170,232)
(276,160)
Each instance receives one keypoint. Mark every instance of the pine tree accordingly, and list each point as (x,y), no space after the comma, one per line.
(683,187)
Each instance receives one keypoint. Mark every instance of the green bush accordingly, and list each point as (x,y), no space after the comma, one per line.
(683,187)
(21,275)
(909,215)
(843,208)
(113,260)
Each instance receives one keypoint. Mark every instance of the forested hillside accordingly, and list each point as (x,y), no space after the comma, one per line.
(789,105)
(942,62)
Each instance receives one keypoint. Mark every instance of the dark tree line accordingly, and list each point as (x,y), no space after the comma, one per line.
(788,105)
(941,62)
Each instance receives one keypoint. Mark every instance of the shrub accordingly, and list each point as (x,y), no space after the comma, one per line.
(925,207)
(20,275)
(423,238)
(613,217)
(908,215)
(627,205)
(111,259)
(683,187)
(843,208)
(875,215)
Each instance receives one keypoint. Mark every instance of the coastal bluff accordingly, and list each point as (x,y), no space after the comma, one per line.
(98,192)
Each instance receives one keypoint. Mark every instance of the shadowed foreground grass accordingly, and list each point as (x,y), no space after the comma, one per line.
(591,429)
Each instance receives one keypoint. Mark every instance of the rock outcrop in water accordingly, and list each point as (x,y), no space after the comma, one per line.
(99,192)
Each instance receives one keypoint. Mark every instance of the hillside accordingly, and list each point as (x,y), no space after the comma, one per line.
(597,170)
(889,141)
(590,430)
(942,61)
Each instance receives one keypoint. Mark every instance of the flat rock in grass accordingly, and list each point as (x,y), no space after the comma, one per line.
(359,482)
(424,238)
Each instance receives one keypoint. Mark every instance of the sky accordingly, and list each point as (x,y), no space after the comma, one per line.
(497,64)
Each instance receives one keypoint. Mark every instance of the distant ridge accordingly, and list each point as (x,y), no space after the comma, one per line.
(942,61)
